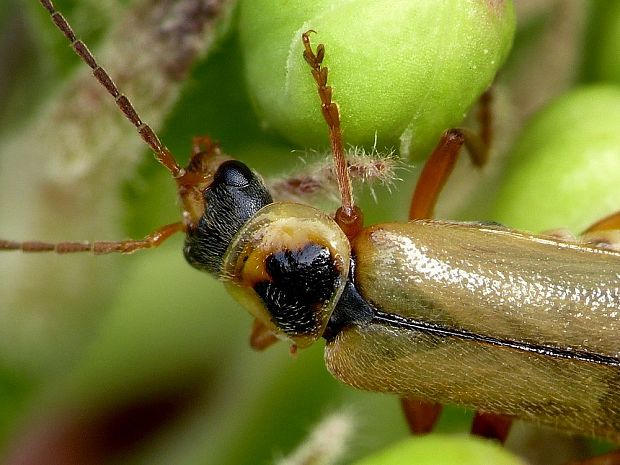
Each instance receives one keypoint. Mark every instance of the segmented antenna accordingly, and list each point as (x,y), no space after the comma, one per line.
(348,216)
(155,239)
(162,154)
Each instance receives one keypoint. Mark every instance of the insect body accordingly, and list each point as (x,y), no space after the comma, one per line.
(480,315)
(456,313)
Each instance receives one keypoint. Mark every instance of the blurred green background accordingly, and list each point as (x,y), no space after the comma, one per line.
(152,365)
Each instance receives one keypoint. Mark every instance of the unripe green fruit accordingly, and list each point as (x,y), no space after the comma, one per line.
(443,449)
(401,70)
(565,169)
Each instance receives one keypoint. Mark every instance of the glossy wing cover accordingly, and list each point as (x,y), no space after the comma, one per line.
(487,317)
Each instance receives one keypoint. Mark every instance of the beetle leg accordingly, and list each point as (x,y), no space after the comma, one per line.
(261,337)
(608,223)
(439,166)
(485,117)
(604,233)
(421,415)
(435,174)
(491,426)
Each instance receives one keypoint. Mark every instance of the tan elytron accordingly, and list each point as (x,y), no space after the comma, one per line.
(536,319)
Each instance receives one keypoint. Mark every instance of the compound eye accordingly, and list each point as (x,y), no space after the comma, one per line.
(288,267)
(232,173)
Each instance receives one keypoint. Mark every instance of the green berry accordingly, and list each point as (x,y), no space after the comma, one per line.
(401,70)
(565,168)
(443,449)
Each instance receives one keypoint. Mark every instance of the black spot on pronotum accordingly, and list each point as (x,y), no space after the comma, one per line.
(302,281)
